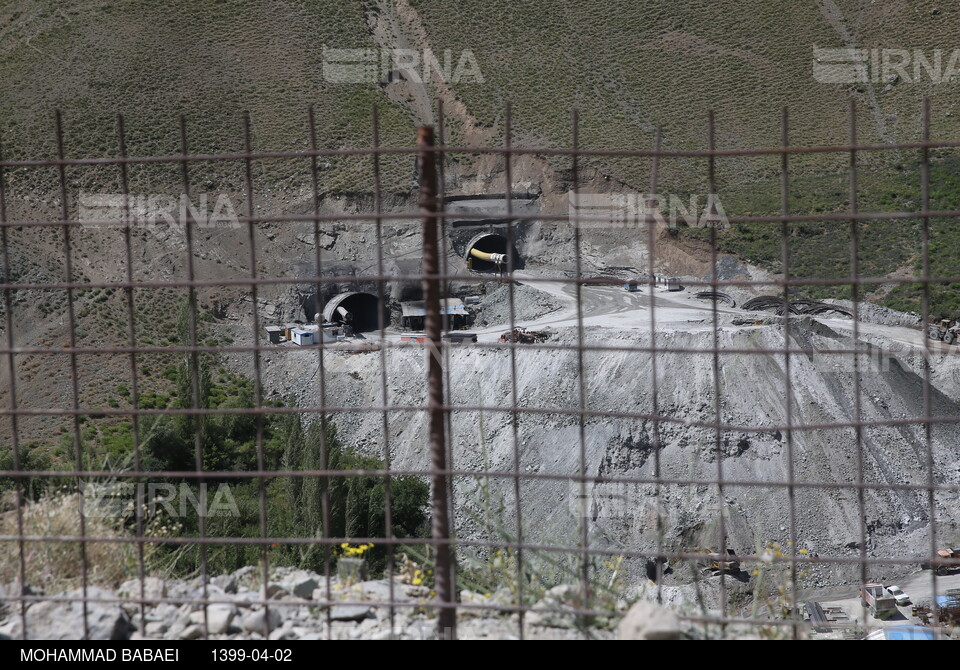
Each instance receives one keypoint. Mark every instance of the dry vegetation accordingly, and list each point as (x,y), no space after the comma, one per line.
(210,60)
(57,566)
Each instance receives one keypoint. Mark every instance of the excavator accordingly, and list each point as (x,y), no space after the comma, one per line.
(716,566)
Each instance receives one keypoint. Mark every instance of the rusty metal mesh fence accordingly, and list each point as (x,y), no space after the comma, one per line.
(447,543)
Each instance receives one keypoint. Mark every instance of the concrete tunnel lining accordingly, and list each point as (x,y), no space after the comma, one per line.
(490,243)
(364,309)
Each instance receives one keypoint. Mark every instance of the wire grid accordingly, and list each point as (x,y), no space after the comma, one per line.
(432,155)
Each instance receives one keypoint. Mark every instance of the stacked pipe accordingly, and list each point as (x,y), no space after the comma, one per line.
(799,306)
(719,296)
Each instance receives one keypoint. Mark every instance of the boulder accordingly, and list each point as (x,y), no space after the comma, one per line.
(154,589)
(648,621)
(301,584)
(226,582)
(350,612)
(254,622)
(556,608)
(64,620)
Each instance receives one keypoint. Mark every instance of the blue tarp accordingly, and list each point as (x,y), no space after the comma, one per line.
(908,633)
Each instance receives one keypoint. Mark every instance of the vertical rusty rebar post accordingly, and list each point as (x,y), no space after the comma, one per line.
(447,620)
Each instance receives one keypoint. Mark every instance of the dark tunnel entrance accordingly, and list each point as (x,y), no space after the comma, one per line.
(490,252)
(360,310)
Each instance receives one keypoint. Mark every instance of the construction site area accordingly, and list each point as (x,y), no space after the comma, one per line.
(446,395)
(680,374)
(478,319)
(595,416)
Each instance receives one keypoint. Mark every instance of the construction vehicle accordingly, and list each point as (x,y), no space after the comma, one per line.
(460,338)
(524,336)
(944,331)
(949,556)
(632,285)
(872,596)
(716,566)
(938,564)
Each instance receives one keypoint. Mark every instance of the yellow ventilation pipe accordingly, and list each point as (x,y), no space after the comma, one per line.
(496,259)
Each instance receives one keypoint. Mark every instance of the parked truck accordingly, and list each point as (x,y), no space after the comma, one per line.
(945,562)
(872,596)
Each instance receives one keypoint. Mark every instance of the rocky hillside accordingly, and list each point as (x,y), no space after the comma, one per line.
(625,517)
